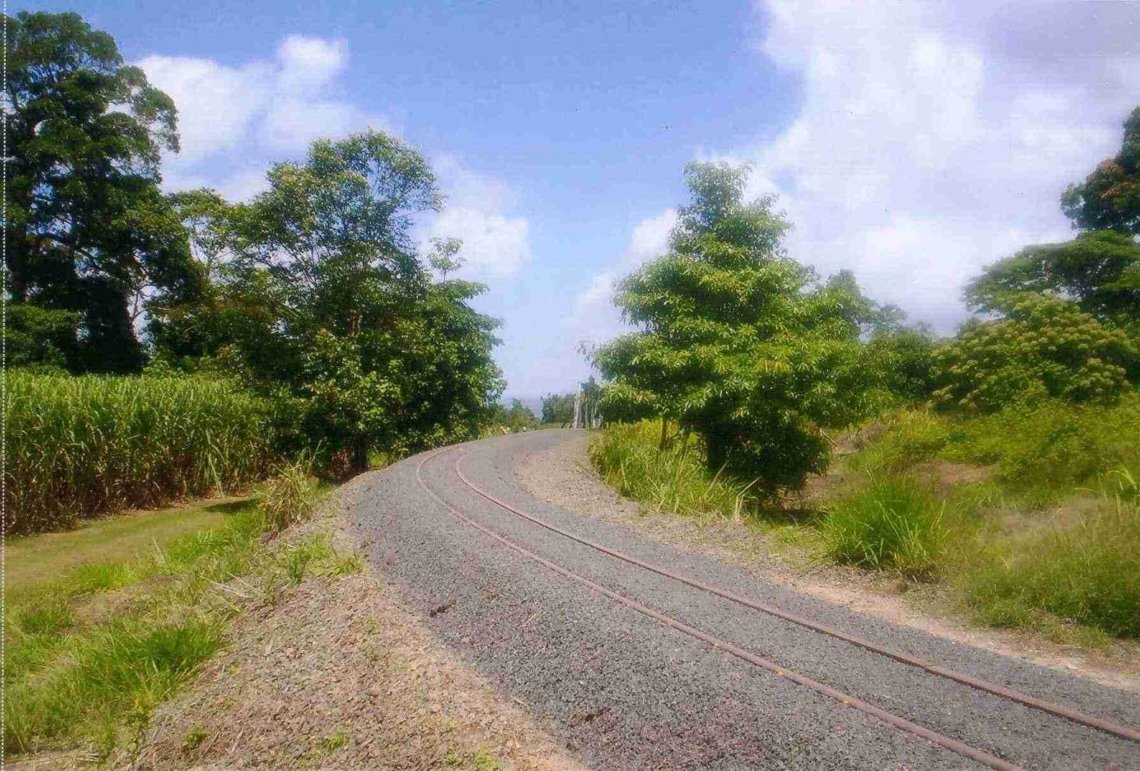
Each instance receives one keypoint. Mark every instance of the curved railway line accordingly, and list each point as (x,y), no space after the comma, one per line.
(888,718)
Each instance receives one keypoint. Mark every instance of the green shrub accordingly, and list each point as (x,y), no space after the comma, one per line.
(1052,448)
(1087,572)
(288,497)
(83,446)
(888,525)
(1045,348)
(1040,452)
(628,457)
(908,437)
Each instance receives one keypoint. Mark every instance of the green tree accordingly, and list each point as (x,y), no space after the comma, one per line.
(558,408)
(1100,271)
(1044,348)
(902,362)
(518,417)
(322,294)
(1109,198)
(90,236)
(736,342)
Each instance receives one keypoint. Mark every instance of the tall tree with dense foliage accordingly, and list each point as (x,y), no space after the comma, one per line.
(91,240)
(738,343)
(558,408)
(1100,271)
(1100,268)
(1109,198)
(321,290)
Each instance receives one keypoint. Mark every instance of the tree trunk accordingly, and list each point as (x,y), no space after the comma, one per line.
(664,434)
(360,454)
(717,446)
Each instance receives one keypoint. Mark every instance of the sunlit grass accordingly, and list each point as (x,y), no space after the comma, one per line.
(84,446)
(90,653)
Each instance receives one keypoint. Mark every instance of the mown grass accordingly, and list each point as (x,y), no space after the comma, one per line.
(108,541)
(83,446)
(89,655)
(1049,542)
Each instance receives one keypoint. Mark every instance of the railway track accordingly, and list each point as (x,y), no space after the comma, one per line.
(888,718)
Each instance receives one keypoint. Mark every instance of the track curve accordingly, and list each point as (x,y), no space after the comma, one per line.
(547,603)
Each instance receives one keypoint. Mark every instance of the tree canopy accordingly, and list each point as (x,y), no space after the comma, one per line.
(1045,347)
(1109,198)
(91,239)
(737,342)
(1100,271)
(558,408)
(320,288)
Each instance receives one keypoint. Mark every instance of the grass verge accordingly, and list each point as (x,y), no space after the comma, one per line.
(672,480)
(91,653)
(1070,571)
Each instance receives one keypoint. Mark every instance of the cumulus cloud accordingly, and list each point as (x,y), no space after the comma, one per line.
(594,316)
(936,138)
(235,120)
(933,138)
(495,243)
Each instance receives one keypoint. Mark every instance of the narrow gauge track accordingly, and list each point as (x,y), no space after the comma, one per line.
(890,719)
(1101,724)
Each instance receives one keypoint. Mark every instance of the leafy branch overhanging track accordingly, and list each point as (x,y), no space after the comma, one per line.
(895,721)
(1101,724)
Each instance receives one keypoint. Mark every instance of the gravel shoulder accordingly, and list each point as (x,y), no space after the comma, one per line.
(563,476)
(622,690)
(339,672)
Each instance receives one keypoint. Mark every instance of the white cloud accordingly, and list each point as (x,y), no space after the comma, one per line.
(215,103)
(235,121)
(594,316)
(495,243)
(932,140)
(309,63)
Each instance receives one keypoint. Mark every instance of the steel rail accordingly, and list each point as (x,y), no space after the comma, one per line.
(902,724)
(1101,724)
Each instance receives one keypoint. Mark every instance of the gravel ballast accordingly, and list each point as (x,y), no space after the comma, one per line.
(625,691)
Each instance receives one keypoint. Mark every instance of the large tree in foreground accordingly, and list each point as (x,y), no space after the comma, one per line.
(736,342)
(91,240)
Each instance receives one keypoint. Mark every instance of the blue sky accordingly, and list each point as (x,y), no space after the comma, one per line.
(913,143)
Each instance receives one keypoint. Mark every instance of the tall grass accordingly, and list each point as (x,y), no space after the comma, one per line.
(288,497)
(1086,572)
(1040,453)
(891,524)
(83,446)
(673,480)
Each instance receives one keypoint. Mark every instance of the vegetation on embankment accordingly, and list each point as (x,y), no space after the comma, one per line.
(83,446)
(340,342)
(94,647)
(1026,518)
